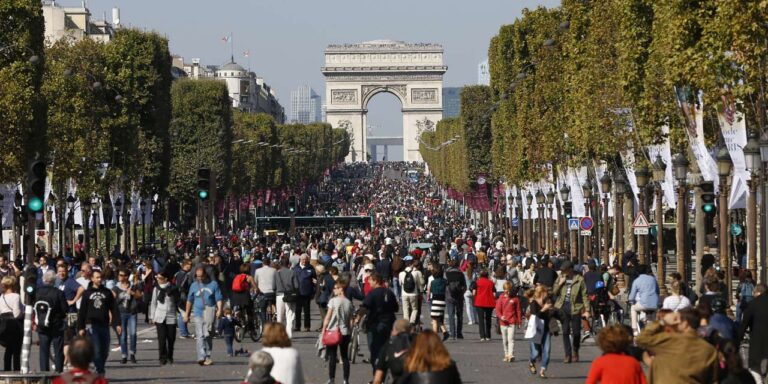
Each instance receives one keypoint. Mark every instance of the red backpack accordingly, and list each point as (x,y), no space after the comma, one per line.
(240,283)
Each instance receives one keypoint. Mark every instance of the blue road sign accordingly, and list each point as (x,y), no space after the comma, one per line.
(573,224)
(515,222)
(586,223)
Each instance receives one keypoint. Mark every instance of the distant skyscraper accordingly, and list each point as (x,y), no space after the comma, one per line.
(483,73)
(451,101)
(305,106)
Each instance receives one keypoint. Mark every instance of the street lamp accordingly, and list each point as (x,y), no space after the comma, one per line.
(619,186)
(659,171)
(118,229)
(752,157)
(605,183)
(763,143)
(540,198)
(723,170)
(86,203)
(550,224)
(642,175)
(586,190)
(71,220)
(680,166)
(565,192)
(143,205)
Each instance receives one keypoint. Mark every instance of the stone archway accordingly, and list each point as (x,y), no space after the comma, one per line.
(355,73)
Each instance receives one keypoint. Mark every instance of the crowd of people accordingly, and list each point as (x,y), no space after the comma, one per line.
(417,277)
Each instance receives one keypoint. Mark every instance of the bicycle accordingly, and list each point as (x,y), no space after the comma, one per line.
(354,343)
(248,323)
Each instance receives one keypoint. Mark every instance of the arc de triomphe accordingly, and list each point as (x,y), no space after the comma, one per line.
(354,73)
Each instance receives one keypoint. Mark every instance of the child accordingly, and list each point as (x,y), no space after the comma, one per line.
(227,330)
(509,313)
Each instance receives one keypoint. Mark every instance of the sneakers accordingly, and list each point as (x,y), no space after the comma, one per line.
(543,373)
(567,360)
(133,359)
(446,335)
(207,361)
(470,323)
(532,368)
(201,362)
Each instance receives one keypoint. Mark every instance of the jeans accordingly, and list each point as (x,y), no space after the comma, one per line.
(285,314)
(229,340)
(343,347)
(48,340)
(571,331)
(204,333)
(541,350)
(455,312)
(396,289)
(128,322)
(508,339)
(471,313)
(166,338)
(99,336)
(484,321)
(377,338)
(411,308)
(183,330)
(634,311)
(302,306)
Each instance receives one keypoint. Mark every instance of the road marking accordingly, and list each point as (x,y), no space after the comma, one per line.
(139,333)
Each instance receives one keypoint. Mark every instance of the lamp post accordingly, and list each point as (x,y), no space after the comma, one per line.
(763,143)
(86,203)
(50,209)
(642,175)
(106,205)
(605,183)
(723,170)
(550,224)
(17,228)
(529,227)
(71,220)
(752,157)
(620,187)
(143,205)
(95,203)
(586,190)
(118,229)
(680,166)
(659,169)
(565,192)
(540,207)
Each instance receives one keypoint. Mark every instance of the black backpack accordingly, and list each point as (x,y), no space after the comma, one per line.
(42,310)
(409,283)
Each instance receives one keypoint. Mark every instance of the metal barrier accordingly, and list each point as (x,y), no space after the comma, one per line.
(27,378)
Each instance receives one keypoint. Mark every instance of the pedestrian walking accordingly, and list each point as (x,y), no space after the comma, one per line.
(204,303)
(615,366)
(98,310)
(485,302)
(227,330)
(11,327)
(454,299)
(753,320)
(162,310)
(50,310)
(541,311)
(391,359)
(286,293)
(436,292)
(571,304)
(469,295)
(307,278)
(287,368)
(509,313)
(129,302)
(429,362)
(412,283)
(183,280)
(380,306)
(339,319)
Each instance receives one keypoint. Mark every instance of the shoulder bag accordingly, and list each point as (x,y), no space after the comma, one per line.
(290,296)
(332,337)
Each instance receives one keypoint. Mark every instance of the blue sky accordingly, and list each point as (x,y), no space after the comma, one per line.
(286,38)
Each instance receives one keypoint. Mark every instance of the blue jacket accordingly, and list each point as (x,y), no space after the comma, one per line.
(305,276)
(227,326)
(645,291)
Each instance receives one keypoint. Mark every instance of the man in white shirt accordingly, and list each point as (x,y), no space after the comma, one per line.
(411,281)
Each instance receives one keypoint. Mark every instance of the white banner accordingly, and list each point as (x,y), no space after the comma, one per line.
(576,178)
(8,191)
(668,185)
(734,128)
(694,117)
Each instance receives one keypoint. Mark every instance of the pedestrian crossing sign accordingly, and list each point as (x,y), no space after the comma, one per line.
(573,224)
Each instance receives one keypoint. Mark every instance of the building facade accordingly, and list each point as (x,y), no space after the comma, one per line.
(451,101)
(247,91)
(306,106)
(76,23)
(483,73)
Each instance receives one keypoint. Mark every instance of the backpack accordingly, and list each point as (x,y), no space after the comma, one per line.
(409,283)
(240,283)
(43,314)
(438,287)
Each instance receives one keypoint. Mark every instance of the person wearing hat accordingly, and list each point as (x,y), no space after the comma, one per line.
(571,293)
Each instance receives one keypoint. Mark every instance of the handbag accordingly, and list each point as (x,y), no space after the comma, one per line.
(535,327)
(332,337)
(291,296)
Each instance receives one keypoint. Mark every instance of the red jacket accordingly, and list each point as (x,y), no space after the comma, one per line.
(484,297)
(78,376)
(508,310)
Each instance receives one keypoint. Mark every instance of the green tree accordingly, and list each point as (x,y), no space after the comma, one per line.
(22,106)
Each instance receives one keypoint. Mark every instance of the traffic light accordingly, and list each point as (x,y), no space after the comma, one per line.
(567,209)
(30,283)
(292,204)
(203,183)
(707,197)
(36,185)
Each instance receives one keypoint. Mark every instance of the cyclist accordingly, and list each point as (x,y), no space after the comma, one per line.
(264,282)
(242,285)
